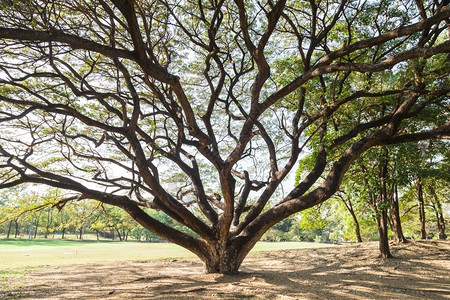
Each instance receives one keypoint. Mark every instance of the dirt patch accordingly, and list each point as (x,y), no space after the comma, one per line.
(420,271)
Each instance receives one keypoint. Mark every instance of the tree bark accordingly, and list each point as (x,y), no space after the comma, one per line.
(224,264)
(383,202)
(395,221)
(357,231)
(383,235)
(442,235)
(423,233)
(224,260)
(349,207)
(440,224)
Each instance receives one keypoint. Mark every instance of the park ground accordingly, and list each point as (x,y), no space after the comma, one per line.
(420,271)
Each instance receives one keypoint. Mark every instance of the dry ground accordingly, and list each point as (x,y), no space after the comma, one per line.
(420,271)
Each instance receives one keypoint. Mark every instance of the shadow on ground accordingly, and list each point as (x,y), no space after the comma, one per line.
(420,271)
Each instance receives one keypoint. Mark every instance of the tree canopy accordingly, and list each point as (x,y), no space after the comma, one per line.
(201,109)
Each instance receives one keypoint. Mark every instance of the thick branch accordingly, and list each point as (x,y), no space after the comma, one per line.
(74,41)
(441,132)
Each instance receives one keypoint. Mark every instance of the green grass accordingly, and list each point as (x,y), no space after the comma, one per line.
(33,253)
(58,252)
(20,256)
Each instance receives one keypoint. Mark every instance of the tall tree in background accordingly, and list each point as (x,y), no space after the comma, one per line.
(375,179)
(201,109)
(437,207)
(429,173)
(346,198)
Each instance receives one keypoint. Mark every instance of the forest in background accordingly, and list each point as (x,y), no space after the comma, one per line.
(419,194)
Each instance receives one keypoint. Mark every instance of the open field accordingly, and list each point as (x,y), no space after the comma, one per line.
(419,271)
(32,253)
(60,252)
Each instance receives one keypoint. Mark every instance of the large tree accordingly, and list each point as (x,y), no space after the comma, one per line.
(200,109)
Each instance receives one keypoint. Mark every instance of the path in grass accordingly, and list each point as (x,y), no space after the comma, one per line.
(32,253)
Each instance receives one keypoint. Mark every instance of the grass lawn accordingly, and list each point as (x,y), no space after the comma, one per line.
(21,253)
(33,253)
(20,256)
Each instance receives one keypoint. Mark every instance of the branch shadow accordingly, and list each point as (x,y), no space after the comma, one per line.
(420,271)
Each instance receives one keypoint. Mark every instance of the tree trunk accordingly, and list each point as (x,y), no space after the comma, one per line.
(63,232)
(441,232)
(225,260)
(17,228)
(423,233)
(383,235)
(355,221)
(118,232)
(382,215)
(358,232)
(349,207)
(396,225)
(81,232)
(48,224)
(9,229)
(442,235)
(30,230)
(439,215)
(46,231)
(223,265)
(36,228)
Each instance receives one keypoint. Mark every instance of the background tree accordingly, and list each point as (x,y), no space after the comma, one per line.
(20,210)
(201,109)
(348,199)
(115,220)
(426,165)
